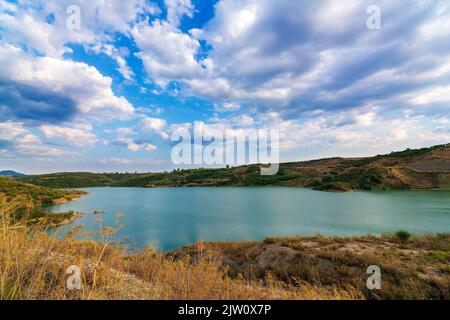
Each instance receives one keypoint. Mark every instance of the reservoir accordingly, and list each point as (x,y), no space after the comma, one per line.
(167,218)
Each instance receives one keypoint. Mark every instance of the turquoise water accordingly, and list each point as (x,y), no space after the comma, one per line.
(172,217)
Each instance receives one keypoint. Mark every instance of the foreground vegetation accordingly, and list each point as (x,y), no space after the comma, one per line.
(427,168)
(33,266)
(34,197)
(412,267)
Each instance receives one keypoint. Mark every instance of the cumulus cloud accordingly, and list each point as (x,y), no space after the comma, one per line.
(119,55)
(176,9)
(16,141)
(295,57)
(311,69)
(167,53)
(155,125)
(135,145)
(123,132)
(128,162)
(117,161)
(27,22)
(46,89)
(359,132)
(41,26)
(227,107)
(77,136)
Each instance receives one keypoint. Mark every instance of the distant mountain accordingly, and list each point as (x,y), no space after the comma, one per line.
(10,173)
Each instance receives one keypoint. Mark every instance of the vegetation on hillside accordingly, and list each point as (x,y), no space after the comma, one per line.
(412,267)
(39,195)
(424,168)
(34,197)
(68,180)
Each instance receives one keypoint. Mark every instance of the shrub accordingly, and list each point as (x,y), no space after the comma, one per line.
(403,235)
(270,240)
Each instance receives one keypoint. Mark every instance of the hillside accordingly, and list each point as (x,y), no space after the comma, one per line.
(10,173)
(68,180)
(427,168)
(35,196)
(39,195)
(412,267)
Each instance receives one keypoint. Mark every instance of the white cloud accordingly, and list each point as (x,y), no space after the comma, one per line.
(359,133)
(54,84)
(28,24)
(313,70)
(125,161)
(167,53)
(244,120)
(78,136)
(295,57)
(135,145)
(14,131)
(21,142)
(440,94)
(117,54)
(124,69)
(42,38)
(176,9)
(227,107)
(122,132)
(154,125)
(117,161)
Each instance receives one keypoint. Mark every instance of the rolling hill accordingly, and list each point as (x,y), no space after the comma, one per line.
(11,188)
(426,168)
(10,173)
(25,200)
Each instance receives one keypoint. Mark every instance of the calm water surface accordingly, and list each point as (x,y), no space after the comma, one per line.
(172,217)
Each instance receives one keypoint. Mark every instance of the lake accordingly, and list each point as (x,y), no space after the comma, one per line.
(168,218)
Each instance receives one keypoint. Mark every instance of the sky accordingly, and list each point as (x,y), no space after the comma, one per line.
(98,85)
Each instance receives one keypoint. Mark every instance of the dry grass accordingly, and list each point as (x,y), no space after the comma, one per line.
(33,266)
(414,268)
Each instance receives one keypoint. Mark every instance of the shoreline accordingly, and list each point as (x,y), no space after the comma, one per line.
(74,215)
(65,222)
(255,186)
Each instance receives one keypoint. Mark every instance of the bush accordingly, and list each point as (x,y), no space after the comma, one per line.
(403,235)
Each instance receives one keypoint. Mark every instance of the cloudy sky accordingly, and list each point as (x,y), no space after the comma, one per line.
(106,96)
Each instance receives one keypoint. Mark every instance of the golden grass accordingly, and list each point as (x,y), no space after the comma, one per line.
(33,266)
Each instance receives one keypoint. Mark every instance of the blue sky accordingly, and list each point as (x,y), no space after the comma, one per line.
(107,96)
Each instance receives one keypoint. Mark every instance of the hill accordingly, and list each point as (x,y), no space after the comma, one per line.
(426,168)
(10,173)
(28,198)
(68,180)
(415,267)
(12,188)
